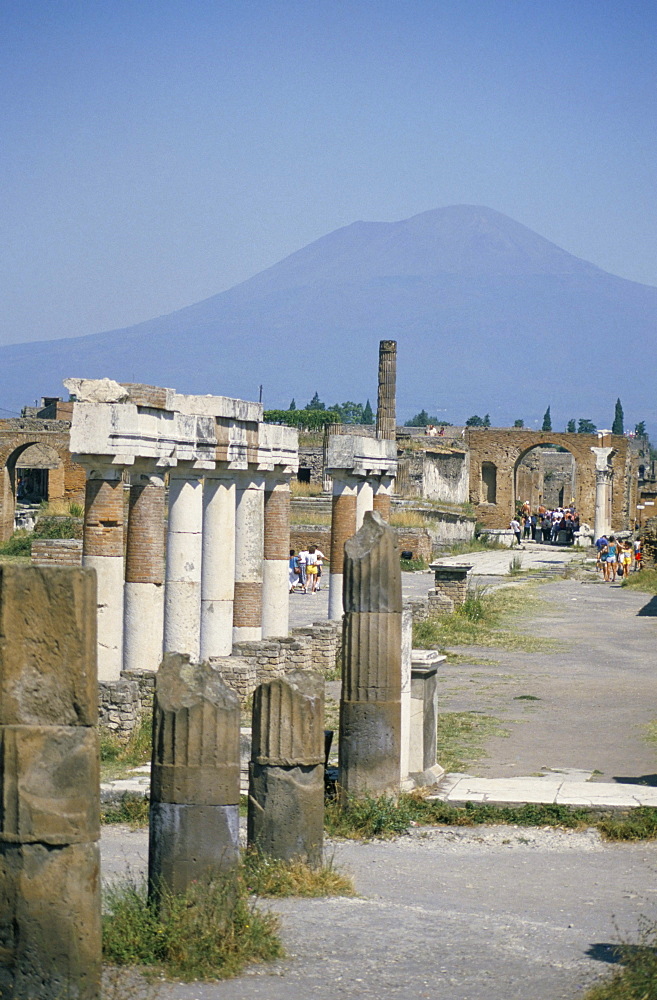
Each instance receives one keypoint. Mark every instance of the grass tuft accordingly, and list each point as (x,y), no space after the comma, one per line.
(131,809)
(210,932)
(272,877)
(412,565)
(128,753)
(645,580)
(368,817)
(637,979)
(461,736)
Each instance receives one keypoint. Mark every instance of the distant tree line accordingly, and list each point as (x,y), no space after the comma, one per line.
(316,414)
(423,419)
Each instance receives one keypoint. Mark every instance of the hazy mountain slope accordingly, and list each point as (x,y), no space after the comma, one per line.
(488,315)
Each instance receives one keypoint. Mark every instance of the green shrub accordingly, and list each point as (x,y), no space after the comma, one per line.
(57,527)
(132,809)
(266,876)
(20,544)
(637,979)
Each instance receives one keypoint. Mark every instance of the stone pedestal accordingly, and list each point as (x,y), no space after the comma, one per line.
(102,550)
(452,581)
(50,943)
(144,573)
(424,716)
(194,815)
(370,706)
(182,596)
(286,775)
(218,567)
(343,526)
(249,543)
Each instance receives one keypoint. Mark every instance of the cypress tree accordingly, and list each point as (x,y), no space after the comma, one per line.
(617,426)
(547,421)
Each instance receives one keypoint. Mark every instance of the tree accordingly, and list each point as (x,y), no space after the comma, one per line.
(293,405)
(368,416)
(617,426)
(586,427)
(640,429)
(547,421)
(315,403)
(519,423)
(486,421)
(572,427)
(475,421)
(420,419)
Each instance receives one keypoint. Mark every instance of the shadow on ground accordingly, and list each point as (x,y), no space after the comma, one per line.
(649,610)
(641,779)
(618,954)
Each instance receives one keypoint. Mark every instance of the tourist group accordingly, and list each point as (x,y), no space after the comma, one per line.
(306,570)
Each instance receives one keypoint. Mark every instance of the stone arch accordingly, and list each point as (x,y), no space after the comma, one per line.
(504,448)
(537,485)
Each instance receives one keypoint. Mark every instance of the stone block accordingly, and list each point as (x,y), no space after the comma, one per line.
(286,811)
(370,746)
(47,646)
(50,934)
(189,843)
(49,782)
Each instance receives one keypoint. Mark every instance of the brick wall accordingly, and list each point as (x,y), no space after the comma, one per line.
(57,552)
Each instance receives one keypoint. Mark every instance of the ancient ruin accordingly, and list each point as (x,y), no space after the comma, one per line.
(50,945)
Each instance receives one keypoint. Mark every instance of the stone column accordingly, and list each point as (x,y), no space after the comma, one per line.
(382,496)
(249,546)
(144,573)
(343,526)
(102,550)
(386,420)
(286,774)
(218,566)
(370,705)
(195,776)
(182,595)
(364,501)
(49,821)
(275,571)
(602,523)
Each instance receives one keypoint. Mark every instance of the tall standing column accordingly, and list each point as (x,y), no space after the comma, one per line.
(343,526)
(102,550)
(364,501)
(49,821)
(275,568)
(218,566)
(182,595)
(144,573)
(602,523)
(249,545)
(370,704)
(386,419)
(382,501)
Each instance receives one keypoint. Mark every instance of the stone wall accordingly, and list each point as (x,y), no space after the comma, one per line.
(446,476)
(122,703)
(419,541)
(57,552)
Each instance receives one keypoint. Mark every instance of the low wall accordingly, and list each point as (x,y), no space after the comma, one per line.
(57,552)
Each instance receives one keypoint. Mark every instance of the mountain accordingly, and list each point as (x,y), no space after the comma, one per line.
(488,315)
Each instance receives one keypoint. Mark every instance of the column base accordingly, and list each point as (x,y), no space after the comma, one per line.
(188,843)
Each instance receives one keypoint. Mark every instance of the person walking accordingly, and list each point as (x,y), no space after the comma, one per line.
(515,528)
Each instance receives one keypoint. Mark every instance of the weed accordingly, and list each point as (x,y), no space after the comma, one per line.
(645,580)
(271,877)
(131,809)
(20,544)
(412,565)
(368,817)
(637,824)
(134,751)
(57,527)
(210,932)
(515,566)
(298,489)
(461,736)
(526,697)
(637,979)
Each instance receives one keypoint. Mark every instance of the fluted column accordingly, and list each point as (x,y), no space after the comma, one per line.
(286,774)
(195,776)
(218,566)
(102,550)
(182,596)
(275,568)
(382,496)
(249,545)
(343,526)
(143,631)
(386,420)
(370,705)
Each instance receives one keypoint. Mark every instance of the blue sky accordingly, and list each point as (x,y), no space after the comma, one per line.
(156,153)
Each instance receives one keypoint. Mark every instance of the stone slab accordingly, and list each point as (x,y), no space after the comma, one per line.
(49,779)
(48,646)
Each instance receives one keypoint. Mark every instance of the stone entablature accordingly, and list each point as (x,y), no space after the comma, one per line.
(496,454)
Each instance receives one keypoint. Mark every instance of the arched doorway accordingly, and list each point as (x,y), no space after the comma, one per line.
(546,474)
(33,471)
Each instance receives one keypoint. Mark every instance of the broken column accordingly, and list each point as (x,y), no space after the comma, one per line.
(50,935)
(370,706)
(286,774)
(144,572)
(195,776)
(386,419)
(102,550)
